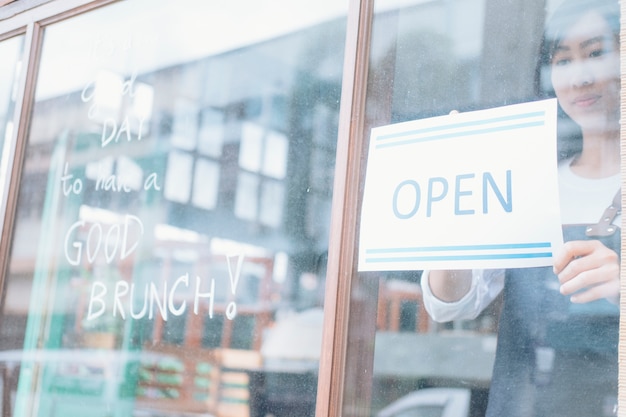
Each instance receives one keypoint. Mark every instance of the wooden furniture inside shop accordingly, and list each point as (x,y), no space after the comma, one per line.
(190,377)
(393,296)
(175,379)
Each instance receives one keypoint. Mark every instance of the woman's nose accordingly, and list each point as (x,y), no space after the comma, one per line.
(581,74)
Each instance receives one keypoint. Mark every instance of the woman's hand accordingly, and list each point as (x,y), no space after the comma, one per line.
(588,270)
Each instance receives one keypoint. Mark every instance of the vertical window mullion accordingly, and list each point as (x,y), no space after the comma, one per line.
(14,147)
(346,194)
(622,333)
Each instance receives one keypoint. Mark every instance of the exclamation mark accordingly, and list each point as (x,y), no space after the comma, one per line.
(231,309)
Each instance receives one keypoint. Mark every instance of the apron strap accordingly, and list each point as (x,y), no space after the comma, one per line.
(605,226)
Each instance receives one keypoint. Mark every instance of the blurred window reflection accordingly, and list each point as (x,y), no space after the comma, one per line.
(427,59)
(176,188)
(11,55)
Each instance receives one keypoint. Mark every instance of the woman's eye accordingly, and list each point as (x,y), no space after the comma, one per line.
(559,62)
(596,53)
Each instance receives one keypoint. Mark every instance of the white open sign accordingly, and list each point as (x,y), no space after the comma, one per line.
(468,190)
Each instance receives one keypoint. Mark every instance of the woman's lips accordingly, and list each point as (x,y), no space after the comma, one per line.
(586,100)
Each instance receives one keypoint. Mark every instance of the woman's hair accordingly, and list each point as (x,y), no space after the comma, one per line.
(566,15)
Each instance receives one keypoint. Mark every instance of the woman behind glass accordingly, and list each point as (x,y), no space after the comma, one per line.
(558,334)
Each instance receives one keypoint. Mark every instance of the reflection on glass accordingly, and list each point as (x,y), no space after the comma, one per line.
(211,133)
(11,56)
(205,184)
(163,212)
(514,339)
(272,203)
(185,125)
(275,155)
(246,200)
(251,147)
(178,180)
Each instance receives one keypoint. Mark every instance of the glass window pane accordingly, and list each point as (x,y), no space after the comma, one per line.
(272,200)
(517,339)
(205,184)
(162,237)
(251,147)
(211,133)
(246,201)
(275,155)
(185,125)
(178,180)
(11,55)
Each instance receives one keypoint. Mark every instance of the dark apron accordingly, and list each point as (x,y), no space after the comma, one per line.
(554,358)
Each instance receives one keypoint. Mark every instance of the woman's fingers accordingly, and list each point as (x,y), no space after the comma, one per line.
(587,270)
(608,289)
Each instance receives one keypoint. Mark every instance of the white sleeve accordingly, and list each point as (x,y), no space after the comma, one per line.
(486,285)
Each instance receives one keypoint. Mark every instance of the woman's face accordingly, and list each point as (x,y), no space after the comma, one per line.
(585,74)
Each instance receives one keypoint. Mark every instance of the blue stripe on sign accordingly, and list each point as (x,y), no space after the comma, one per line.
(460,247)
(461,125)
(486,257)
(460,134)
